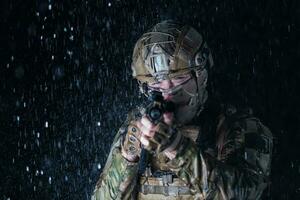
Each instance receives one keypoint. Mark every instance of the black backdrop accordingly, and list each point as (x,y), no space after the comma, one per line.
(66,86)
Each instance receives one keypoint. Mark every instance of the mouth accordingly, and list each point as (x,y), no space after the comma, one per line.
(170,98)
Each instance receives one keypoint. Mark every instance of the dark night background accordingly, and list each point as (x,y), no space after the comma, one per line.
(65,83)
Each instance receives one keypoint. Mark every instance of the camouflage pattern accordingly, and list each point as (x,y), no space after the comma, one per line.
(236,165)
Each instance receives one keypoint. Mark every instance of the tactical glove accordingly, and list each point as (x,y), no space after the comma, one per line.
(131,145)
(166,138)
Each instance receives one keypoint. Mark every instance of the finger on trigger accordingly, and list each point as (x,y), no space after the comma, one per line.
(168,118)
(144,141)
(147,123)
(147,132)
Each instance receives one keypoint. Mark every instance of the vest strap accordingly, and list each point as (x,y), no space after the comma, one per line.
(165,190)
(165,185)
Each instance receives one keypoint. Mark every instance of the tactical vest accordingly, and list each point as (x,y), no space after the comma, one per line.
(165,184)
(168,187)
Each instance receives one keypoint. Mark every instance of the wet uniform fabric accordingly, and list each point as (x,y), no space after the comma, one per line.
(226,154)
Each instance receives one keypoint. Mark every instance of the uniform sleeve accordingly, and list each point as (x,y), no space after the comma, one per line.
(239,171)
(116,180)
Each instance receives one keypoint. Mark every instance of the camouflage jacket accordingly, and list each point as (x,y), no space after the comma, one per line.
(228,158)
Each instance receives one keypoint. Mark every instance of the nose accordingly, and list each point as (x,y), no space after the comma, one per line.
(166,84)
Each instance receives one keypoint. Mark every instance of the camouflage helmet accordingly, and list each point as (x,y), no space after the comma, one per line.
(167,50)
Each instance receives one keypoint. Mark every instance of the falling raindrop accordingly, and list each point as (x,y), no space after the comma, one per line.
(70,53)
(67,79)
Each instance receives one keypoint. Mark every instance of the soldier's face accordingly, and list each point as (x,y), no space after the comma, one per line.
(176,89)
(182,91)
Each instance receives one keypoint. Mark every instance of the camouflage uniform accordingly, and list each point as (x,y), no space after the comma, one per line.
(226,154)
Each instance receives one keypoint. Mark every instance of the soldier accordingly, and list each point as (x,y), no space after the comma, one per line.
(198,149)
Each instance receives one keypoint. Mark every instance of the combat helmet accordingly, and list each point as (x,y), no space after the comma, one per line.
(171,49)
(167,50)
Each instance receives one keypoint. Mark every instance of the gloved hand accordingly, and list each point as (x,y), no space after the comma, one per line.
(160,137)
(131,145)
(156,137)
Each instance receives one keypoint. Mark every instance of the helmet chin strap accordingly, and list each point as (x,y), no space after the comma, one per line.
(187,112)
(201,90)
(195,104)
